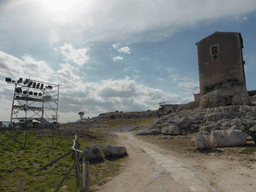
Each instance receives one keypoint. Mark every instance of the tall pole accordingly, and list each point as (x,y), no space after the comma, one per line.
(13,103)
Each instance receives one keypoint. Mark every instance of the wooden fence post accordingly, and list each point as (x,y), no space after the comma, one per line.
(87,177)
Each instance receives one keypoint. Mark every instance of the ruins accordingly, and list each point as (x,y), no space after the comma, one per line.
(221,70)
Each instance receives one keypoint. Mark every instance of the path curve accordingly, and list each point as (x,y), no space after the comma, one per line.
(149,170)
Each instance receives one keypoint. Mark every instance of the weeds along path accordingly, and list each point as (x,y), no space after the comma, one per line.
(150,170)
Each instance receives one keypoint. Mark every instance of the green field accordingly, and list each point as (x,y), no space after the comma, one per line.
(133,122)
(19,166)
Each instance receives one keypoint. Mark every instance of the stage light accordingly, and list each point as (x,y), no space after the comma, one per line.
(42,86)
(30,93)
(26,81)
(49,87)
(25,92)
(30,83)
(8,80)
(35,93)
(34,85)
(37,86)
(40,94)
(20,80)
(18,90)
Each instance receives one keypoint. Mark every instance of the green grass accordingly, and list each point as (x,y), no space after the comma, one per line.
(18,166)
(136,122)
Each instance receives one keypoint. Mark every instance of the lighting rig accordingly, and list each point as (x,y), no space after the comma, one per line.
(35,104)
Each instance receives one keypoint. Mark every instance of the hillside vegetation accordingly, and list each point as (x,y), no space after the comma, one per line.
(18,166)
(133,122)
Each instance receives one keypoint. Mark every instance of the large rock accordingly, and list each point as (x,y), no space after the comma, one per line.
(208,127)
(172,129)
(188,106)
(183,123)
(228,138)
(231,95)
(92,152)
(202,142)
(114,151)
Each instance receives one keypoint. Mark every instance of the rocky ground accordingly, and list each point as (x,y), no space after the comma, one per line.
(222,124)
(224,169)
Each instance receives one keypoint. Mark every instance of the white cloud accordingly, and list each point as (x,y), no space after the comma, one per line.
(14,67)
(115,21)
(67,77)
(120,49)
(78,56)
(185,83)
(124,50)
(76,95)
(118,58)
(10,65)
(38,69)
(189,84)
(246,68)
(111,95)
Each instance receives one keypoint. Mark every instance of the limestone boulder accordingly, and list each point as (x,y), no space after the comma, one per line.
(92,152)
(188,106)
(233,95)
(227,138)
(208,127)
(240,99)
(172,129)
(114,151)
(236,122)
(183,123)
(202,142)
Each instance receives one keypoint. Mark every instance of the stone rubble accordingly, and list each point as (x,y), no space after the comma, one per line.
(219,122)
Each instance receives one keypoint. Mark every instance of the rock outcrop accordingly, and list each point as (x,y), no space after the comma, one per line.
(172,129)
(223,96)
(223,121)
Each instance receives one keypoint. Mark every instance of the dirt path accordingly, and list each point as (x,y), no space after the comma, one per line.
(149,169)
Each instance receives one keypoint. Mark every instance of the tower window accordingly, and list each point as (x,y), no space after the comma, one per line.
(214,50)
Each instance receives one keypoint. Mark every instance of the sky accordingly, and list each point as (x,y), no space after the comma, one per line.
(108,55)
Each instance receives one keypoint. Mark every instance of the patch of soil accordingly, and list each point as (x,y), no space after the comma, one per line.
(229,168)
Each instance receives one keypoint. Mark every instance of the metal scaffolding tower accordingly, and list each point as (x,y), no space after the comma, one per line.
(35,104)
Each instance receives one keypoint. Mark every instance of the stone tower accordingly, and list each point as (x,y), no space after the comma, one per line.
(221,70)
